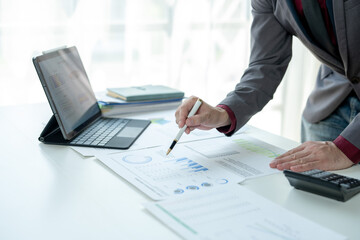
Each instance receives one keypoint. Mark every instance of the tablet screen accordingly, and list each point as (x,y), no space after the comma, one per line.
(68,88)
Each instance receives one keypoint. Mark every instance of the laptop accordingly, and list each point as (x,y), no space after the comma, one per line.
(77,118)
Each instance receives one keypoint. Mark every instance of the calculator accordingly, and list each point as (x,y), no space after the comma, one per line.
(324,183)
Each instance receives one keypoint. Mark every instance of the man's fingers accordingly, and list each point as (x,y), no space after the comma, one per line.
(293,157)
(294,162)
(305,166)
(291,152)
(206,117)
(321,155)
(183,111)
(196,120)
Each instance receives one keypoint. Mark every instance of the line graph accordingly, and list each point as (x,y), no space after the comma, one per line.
(256,148)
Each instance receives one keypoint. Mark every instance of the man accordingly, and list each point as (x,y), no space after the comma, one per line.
(331,119)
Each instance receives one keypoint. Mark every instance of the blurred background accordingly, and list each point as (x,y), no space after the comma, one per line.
(198,46)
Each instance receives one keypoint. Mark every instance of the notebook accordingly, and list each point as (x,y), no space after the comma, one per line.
(77,119)
(145,93)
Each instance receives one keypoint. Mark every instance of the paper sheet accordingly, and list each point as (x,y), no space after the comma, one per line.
(234,212)
(193,166)
(160,132)
(160,176)
(241,154)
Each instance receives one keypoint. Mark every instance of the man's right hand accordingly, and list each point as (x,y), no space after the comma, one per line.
(207,117)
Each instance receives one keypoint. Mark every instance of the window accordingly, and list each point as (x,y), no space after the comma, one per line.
(200,47)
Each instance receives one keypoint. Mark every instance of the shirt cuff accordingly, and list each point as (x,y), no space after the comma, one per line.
(352,152)
(228,130)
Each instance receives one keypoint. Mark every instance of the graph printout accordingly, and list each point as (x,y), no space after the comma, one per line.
(234,212)
(160,176)
(243,155)
(193,166)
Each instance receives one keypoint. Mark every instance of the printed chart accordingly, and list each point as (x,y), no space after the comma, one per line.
(243,155)
(193,166)
(161,176)
(234,212)
(259,149)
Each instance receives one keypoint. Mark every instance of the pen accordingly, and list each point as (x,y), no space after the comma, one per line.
(182,130)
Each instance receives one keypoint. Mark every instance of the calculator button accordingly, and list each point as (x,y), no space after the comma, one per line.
(341,180)
(331,177)
(354,183)
(311,172)
(322,175)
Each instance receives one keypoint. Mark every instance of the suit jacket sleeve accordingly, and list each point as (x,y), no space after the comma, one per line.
(349,140)
(351,132)
(271,50)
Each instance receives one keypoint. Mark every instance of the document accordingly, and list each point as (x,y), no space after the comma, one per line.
(160,176)
(234,212)
(241,154)
(193,166)
(160,132)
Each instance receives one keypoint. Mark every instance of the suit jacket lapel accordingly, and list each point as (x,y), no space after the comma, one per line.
(296,23)
(305,38)
(340,26)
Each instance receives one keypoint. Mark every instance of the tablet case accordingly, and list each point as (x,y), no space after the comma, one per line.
(52,133)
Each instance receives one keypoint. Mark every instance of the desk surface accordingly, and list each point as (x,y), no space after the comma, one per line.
(51,192)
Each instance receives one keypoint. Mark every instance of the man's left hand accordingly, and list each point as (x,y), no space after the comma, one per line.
(312,155)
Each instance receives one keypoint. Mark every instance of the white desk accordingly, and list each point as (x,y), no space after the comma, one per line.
(51,192)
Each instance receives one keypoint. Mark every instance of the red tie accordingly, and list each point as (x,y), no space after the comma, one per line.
(317,26)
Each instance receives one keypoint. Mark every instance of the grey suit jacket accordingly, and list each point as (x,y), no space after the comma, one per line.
(275,22)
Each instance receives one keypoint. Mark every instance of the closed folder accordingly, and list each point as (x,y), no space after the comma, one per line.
(144,93)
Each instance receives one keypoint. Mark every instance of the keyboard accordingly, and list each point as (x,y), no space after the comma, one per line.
(100,132)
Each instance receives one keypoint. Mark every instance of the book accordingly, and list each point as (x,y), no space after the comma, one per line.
(114,106)
(145,93)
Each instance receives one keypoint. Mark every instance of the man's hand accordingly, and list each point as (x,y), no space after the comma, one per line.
(207,117)
(311,155)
